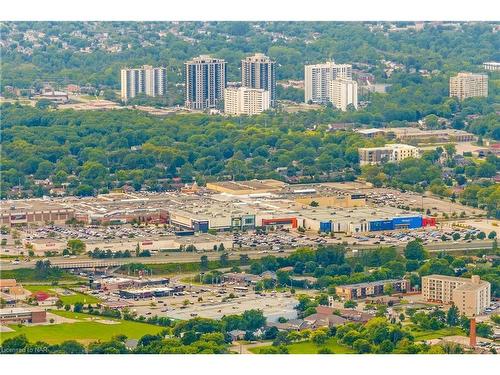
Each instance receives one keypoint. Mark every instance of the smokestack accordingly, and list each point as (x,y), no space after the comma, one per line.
(472,334)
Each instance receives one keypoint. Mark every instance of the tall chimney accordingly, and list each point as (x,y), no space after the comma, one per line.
(472,334)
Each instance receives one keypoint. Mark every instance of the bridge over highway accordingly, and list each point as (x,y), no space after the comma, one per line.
(185,257)
(88,264)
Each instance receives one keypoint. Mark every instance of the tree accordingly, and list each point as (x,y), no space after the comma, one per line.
(253,319)
(362,346)
(414,250)
(78,307)
(388,289)
(15,344)
(453,316)
(350,304)
(224,259)
(244,259)
(204,263)
(484,330)
(319,337)
(71,347)
(76,246)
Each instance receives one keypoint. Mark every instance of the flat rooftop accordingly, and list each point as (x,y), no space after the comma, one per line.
(18,206)
(18,310)
(145,290)
(371,283)
(252,185)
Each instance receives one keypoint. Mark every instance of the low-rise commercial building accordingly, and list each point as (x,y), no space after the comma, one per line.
(146,292)
(370,289)
(115,283)
(21,315)
(58,97)
(390,153)
(246,187)
(33,211)
(406,134)
(470,296)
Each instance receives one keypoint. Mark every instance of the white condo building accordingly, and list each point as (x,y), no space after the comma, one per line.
(145,80)
(245,101)
(344,92)
(205,82)
(318,77)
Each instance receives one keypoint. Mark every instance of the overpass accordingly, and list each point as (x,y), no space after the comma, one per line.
(186,257)
(88,264)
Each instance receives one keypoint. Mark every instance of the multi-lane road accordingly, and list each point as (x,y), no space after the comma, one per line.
(185,257)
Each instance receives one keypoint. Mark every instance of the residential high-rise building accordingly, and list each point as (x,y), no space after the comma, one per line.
(471,296)
(259,72)
(205,82)
(318,77)
(468,85)
(245,101)
(344,92)
(389,153)
(145,80)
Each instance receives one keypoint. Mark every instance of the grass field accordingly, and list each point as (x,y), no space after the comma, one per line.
(69,299)
(30,275)
(173,268)
(422,335)
(308,347)
(83,331)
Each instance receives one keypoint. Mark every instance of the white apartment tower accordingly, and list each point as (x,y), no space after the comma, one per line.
(145,80)
(468,85)
(318,78)
(205,82)
(245,101)
(259,72)
(344,92)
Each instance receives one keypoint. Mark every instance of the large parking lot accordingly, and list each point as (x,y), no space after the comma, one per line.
(211,302)
(97,232)
(436,206)
(428,236)
(278,240)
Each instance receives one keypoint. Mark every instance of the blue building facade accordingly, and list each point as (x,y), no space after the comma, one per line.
(408,222)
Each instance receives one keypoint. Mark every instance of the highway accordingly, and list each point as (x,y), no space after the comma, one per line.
(184,257)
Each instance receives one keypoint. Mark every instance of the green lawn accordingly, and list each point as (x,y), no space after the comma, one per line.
(422,335)
(30,275)
(308,347)
(69,299)
(83,331)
